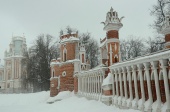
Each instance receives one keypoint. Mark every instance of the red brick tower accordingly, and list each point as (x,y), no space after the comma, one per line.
(110,44)
(64,68)
(110,49)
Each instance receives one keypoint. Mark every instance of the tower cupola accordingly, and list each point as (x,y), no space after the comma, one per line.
(112,24)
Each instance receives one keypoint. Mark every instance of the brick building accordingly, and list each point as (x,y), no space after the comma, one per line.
(72,60)
(142,83)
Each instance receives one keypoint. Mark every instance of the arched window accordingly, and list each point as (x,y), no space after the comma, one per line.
(116,58)
(52,73)
(65,54)
(82,58)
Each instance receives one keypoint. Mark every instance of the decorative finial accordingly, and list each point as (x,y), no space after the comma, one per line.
(111,10)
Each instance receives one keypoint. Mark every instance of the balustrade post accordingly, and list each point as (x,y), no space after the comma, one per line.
(117,89)
(96,83)
(130,85)
(140,67)
(113,87)
(120,84)
(88,84)
(147,65)
(136,86)
(154,69)
(164,65)
(125,85)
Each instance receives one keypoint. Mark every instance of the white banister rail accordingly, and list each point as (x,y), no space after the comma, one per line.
(132,85)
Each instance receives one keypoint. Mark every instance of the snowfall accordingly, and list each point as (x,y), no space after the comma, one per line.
(64,102)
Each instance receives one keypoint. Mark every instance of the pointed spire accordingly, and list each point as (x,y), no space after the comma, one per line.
(111,10)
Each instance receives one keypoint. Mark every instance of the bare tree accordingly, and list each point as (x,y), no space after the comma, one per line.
(131,47)
(92,48)
(160,10)
(154,44)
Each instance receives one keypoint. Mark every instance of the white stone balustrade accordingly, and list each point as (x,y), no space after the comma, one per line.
(90,83)
(137,90)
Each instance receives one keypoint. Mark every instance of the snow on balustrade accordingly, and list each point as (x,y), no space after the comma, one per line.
(89,82)
(153,68)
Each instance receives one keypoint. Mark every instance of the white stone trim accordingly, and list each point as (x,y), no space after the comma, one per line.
(64,73)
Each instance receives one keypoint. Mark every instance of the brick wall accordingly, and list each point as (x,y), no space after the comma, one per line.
(112,34)
(67,82)
(70,51)
(107,92)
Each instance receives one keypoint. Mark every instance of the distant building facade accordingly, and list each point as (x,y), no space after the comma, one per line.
(13,72)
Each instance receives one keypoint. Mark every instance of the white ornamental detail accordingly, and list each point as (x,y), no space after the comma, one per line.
(115,47)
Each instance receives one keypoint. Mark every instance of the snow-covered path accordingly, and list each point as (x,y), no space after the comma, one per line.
(36,102)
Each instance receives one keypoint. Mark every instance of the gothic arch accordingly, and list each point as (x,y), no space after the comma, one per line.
(64,54)
(53,73)
(116,58)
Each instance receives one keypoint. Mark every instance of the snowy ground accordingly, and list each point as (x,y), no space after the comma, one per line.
(37,102)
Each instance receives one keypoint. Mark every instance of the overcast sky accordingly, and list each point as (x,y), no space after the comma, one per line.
(33,17)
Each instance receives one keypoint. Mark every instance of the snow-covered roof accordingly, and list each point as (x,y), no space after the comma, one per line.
(95,69)
(108,80)
(59,63)
(70,39)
